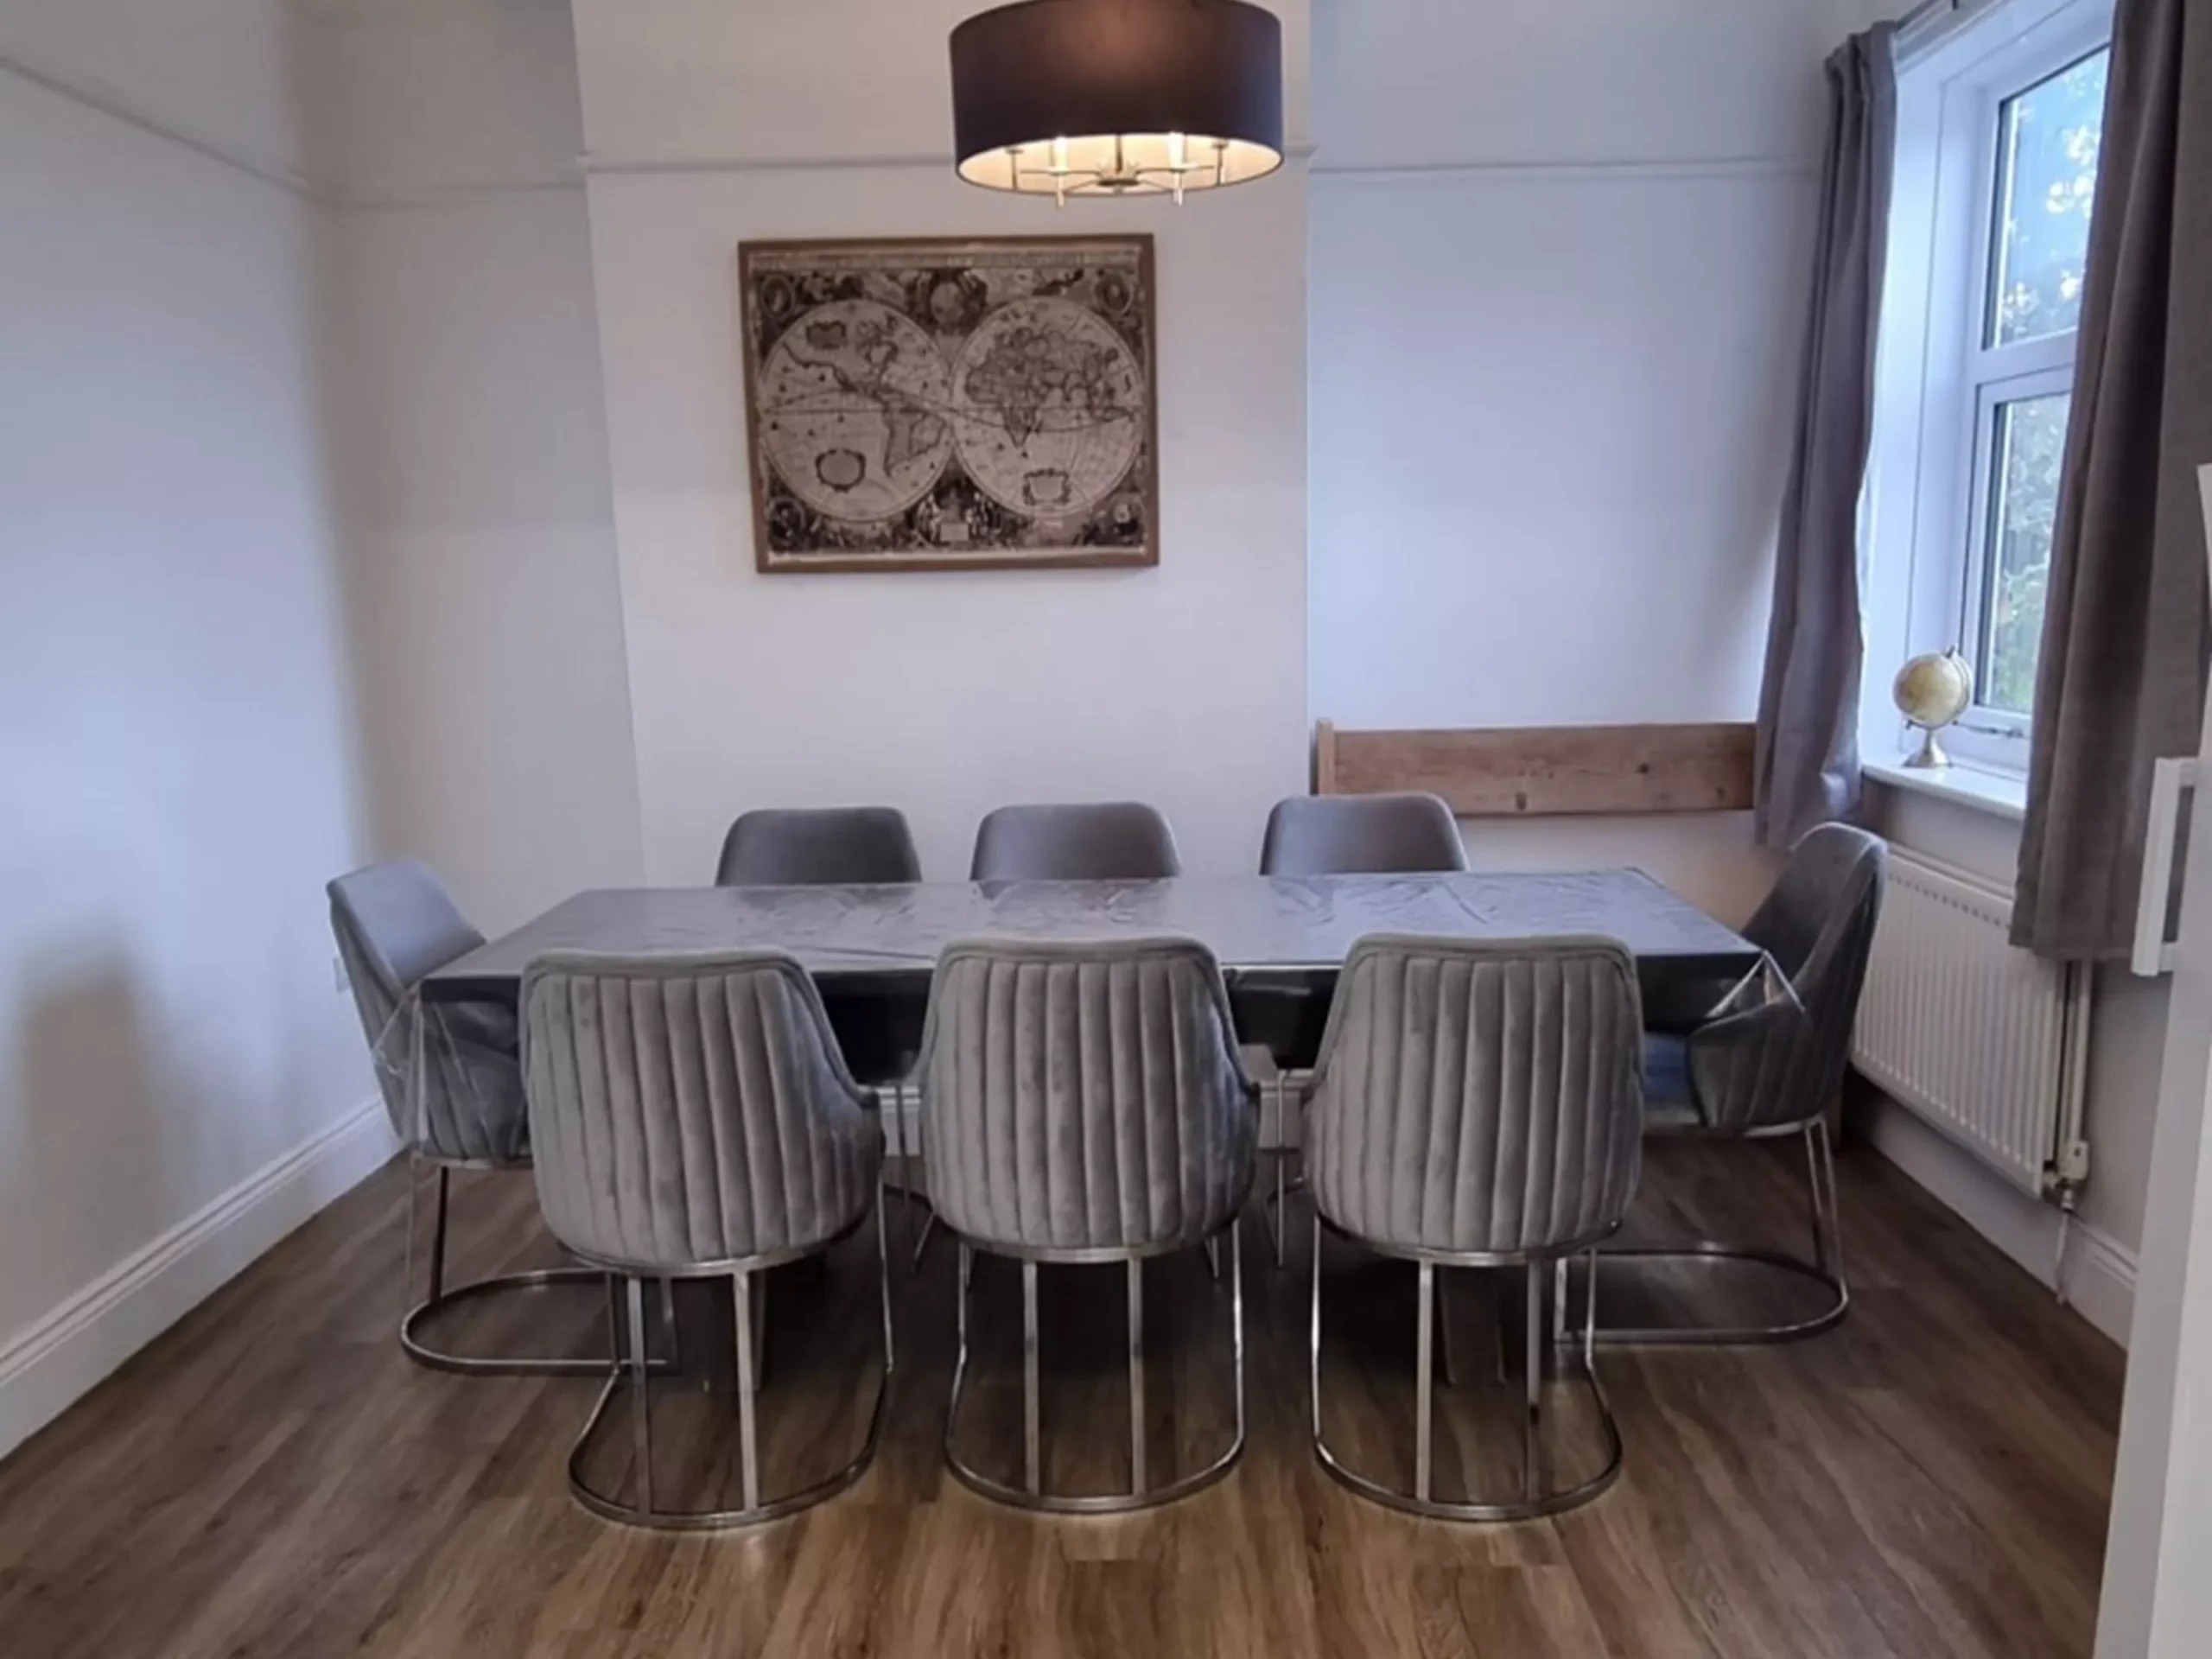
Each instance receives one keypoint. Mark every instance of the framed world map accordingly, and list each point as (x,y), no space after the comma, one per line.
(973,405)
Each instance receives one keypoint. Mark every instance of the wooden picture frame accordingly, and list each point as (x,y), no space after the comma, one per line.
(951,402)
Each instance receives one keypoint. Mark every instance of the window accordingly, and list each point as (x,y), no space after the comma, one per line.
(1999,127)
(2042,189)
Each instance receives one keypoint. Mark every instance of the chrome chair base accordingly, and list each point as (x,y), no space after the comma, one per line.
(1825,1269)
(638,1370)
(413,1340)
(1141,1494)
(1537,1499)
(412,1344)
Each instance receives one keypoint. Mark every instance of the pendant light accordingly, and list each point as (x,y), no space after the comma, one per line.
(1117,97)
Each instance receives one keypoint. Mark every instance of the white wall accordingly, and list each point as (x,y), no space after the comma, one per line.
(305,459)
(942,693)
(180,1080)
(481,538)
(241,77)
(1557,291)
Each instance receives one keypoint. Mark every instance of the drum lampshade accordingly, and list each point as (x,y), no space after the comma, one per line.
(1117,97)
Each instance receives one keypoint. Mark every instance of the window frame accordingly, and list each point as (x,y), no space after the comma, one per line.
(1927,508)
(1990,396)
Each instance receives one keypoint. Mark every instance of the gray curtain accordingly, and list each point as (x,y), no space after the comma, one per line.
(1807,758)
(2121,677)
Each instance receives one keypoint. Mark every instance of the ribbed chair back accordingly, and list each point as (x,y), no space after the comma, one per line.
(1478,1098)
(1084,1097)
(1112,841)
(1781,1062)
(689,1112)
(840,846)
(1345,835)
(395,922)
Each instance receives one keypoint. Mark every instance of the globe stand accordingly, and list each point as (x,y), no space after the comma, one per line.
(1931,754)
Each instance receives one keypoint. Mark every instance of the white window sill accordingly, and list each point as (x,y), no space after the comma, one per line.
(2003,795)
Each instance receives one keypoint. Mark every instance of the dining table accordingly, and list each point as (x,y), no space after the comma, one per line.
(1280,940)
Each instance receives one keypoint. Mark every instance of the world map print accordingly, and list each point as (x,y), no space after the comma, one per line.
(951,404)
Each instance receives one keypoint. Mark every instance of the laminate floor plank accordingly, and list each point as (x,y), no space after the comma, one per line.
(271,1477)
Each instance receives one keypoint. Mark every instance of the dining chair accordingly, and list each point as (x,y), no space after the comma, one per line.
(1083,1104)
(1113,841)
(1345,834)
(837,846)
(1331,835)
(693,1118)
(1476,1104)
(1767,1061)
(840,846)
(451,1084)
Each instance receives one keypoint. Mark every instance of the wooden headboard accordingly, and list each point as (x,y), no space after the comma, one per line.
(1541,770)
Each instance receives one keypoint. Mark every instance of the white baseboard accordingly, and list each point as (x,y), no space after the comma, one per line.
(57,1361)
(2099,1283)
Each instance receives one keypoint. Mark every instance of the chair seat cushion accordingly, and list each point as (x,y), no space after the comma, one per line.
(1669,1101)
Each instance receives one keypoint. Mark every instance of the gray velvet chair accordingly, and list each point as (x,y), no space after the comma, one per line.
(1359,835)
(693,1117)
(1476,1104)
(841,846)
(1084,1104)
(837,846)
(1768,1061)
(1113,841)
(1333,835)
(451,1084)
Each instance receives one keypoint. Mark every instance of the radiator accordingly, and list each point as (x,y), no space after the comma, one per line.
(1987,1042)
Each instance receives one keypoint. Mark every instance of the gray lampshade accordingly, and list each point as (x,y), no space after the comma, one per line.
(1114,98)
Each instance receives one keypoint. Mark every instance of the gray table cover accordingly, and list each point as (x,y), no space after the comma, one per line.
(888,939)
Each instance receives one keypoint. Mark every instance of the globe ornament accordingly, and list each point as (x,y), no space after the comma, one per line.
(1931,690)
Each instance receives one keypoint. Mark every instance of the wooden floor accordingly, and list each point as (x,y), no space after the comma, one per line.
(273,1478)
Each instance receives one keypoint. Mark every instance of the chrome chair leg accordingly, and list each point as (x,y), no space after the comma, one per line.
(1820,1136)
(1424,1381)
(1537,1499)
(1825,1270)
(641,1410)
(748,1392)
(960,1343)
(1031,1494)
(1236,1335)
(1313,1338)
(756,1507)
(413,1340)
